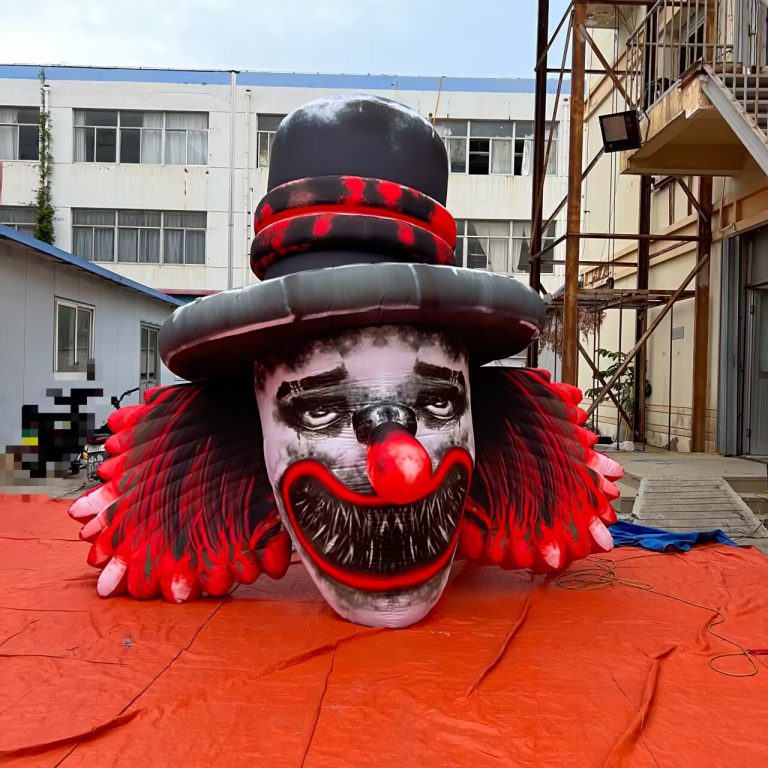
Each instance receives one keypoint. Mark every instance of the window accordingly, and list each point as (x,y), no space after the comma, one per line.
(74,337)
(483,147)
(19,133)
(267,127)
(139,237)
(149,362)
(499,246)
(20,218)
(111,136)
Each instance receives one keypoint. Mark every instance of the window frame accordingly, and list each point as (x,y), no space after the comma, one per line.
(267,135)
(119,128)
(467,138)
(462,242)
(16,128)
(144,381)
(116,227)
(25,227)
(78,306)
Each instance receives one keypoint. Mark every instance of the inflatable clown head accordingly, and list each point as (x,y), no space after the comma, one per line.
(339,407)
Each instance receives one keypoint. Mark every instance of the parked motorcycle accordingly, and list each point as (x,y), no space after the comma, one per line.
(95,451)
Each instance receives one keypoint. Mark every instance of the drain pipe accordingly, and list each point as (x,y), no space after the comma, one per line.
(231,210)
(247,186)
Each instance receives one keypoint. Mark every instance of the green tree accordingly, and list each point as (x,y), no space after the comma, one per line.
(43,201)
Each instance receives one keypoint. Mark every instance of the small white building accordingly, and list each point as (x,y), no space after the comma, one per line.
(156,173)
(74,336)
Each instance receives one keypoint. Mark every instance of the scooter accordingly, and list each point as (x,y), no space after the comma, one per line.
(95,451)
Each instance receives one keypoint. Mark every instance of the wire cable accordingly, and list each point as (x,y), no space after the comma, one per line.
(601,573)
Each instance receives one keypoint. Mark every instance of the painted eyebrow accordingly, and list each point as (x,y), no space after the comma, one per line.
(311,383)
(439,372)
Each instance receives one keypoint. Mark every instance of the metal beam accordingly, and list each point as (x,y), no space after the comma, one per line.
(701,321)
(539,118)
(641,316)
(691,197)
(700,264)
(606,66)
(561,204)
(599,376)
(570,373)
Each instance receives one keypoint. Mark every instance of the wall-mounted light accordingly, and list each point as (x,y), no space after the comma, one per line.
(621,131)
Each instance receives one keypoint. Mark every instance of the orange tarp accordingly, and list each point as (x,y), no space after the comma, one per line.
(508,670)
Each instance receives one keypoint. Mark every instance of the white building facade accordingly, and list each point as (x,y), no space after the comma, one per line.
(156,173)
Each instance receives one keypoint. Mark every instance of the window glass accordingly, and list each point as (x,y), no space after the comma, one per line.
(269,122)
(175,147)
(128,245)
(501,157)
(194,247)
(96,216)
(449,128)
(130,145)
(106,145)
(491,128)
(82,242)
(103,244)
(131,119)
(83,340)
(151,146)
(65,338)
(19,133)
(197,147)
(138,218)
(179,120)
(99,117)
(149,246)
(173,246)
(479,156)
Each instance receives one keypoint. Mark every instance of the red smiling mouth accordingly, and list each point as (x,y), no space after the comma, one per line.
(367,543)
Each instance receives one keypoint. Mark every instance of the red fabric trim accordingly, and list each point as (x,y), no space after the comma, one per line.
(437,227)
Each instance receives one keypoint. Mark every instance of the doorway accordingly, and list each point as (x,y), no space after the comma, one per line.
(743,382)
(756,351)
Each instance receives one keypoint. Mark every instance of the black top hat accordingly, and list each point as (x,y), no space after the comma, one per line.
(352,232)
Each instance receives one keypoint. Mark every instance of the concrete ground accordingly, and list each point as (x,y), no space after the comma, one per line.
(687,491)
(56,488)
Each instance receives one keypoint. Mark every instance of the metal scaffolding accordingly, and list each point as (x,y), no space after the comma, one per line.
(574,26)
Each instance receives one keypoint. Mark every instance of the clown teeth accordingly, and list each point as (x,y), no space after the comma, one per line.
(379,538)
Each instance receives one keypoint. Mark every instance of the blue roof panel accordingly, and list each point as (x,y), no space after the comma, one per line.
(280,79)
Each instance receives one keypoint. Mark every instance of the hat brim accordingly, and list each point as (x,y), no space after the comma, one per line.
(223,335)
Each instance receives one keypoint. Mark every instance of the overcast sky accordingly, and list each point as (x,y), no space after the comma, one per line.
(494,38)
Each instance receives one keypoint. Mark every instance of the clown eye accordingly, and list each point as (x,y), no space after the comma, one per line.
(440,408)
(318,418)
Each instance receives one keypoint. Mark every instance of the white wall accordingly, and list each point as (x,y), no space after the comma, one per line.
(29,285)
(206,188)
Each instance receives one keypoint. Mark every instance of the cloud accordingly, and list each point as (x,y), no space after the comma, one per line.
(491,37)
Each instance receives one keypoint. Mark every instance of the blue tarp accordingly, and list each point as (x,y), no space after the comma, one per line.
(659,540)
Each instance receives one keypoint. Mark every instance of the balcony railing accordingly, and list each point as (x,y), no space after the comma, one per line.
(678,37)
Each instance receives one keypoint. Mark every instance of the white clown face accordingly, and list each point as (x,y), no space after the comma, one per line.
(369,448)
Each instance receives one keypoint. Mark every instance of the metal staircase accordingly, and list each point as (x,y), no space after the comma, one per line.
(742,100)
(725,42)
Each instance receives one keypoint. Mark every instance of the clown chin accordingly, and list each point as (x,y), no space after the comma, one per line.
(394,610)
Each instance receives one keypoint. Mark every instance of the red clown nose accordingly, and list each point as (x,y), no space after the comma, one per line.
(398,466)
